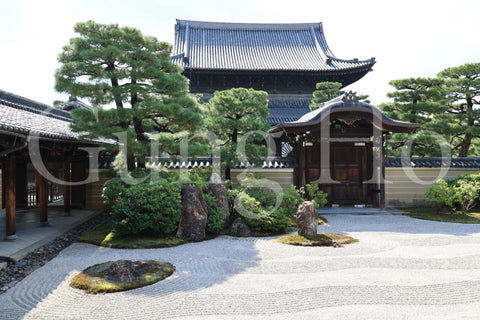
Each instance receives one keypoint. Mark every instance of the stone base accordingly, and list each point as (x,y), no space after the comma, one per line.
(12,237)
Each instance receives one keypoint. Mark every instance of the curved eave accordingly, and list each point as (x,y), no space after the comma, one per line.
(361,66)
(351,110)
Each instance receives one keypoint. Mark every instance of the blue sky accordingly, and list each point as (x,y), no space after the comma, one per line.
(408,38)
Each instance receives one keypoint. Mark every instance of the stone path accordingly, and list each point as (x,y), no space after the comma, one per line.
(402,268)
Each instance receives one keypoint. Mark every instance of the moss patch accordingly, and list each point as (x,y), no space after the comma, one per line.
(322,220)
(94,279)
(429,213)
(319,240)
(103,236)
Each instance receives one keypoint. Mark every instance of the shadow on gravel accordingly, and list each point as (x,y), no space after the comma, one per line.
(198,265)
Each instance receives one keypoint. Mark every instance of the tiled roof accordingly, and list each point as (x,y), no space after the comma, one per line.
(432,162)
(345,104)
(18,102)
(287,108)
(242,46)
(74,103)
(277,163)
(24,116)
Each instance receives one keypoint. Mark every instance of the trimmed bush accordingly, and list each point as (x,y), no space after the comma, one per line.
(441,195)
(459,194)
(260,203)
(215,216)
(149,209)
(318,197)
(273,222)
(112,189)
(291,200)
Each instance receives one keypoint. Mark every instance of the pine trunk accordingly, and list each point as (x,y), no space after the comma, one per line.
(467,141)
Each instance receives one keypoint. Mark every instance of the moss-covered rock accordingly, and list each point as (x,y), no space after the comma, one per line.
(121,275)
(318,240)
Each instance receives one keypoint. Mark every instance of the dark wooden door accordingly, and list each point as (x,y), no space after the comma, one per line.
(350,165)
(348,168)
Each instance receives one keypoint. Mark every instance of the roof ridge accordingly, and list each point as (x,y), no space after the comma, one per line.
(19,102)
(432,162)
(248,26)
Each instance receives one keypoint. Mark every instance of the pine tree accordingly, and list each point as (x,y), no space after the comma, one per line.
(327,91)
(233,113)
(463,114)
(416,100)
(130,81)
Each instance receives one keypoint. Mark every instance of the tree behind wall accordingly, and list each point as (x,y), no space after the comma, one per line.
(129,79)
(447,105)
(230,114)
(416,100)
(327,91)
(463,101)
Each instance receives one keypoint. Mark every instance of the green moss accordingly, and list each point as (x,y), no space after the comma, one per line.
(319,240)
(103,236)
(322,220)
(430,213)
(93,280)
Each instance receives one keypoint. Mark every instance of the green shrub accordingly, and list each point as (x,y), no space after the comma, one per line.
(467,177)
(231,195)
(215,216)
(262,219)
(467,193)
(252,185)
(459,194)
(441,195)
(318,197)
(148,208)
(112,189)
(291,200)
(273,222)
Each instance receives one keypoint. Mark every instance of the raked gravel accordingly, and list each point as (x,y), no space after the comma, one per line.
(402,268)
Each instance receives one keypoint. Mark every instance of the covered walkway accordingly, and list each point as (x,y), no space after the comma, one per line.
(32,234)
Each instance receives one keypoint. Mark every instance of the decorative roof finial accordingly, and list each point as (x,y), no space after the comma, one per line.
(350,96)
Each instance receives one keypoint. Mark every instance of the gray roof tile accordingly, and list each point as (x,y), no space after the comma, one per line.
(432,162)
(287,108)
(24,116)
(241,46)
(276,163)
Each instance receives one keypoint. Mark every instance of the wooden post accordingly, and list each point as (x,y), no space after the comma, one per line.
(301,164)
(382,177)
(11,201)
(66,188)
(42,198)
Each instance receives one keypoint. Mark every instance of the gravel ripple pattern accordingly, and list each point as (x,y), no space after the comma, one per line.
(402,268)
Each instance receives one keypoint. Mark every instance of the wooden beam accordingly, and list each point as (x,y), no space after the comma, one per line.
(11,201)
(42,195)
(66,188)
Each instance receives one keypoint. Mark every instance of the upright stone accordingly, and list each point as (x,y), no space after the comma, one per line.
(220,193)
(194,215)
(307,219)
